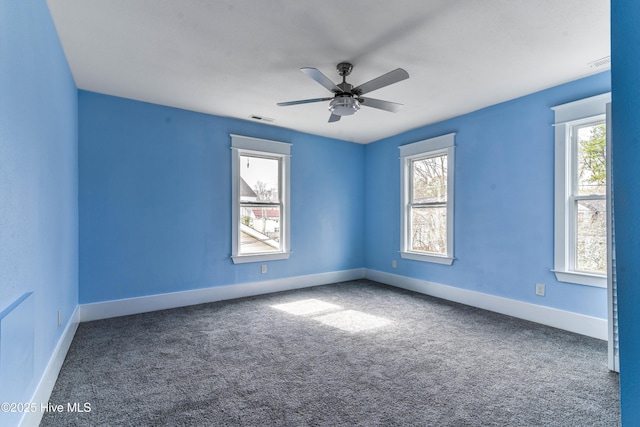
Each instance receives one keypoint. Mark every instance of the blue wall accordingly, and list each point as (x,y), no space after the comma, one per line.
(155,197)
(504,187)
(38,196)
(625,69)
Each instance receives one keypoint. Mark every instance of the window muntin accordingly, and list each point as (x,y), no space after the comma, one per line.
(427,200)
(260,199)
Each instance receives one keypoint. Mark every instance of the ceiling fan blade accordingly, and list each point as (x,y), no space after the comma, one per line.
(333,118)
(394,107)
(379,82)
(303,101)
(325,81)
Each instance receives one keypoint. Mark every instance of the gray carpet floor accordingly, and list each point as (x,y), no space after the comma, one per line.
(348,354)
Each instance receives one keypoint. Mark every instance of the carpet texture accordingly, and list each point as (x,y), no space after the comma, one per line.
(348,354)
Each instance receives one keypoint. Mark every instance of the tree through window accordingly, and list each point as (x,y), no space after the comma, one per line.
(429,205)
(260,204)
(260,199)
(580,224)
(589,197)
(427,200)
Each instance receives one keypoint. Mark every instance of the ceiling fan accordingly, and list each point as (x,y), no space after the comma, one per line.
(347,99)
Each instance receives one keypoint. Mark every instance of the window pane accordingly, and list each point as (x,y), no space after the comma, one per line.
(429,229)
(592,162)
(591,235)
(259,229)
(429,180)
(259,179)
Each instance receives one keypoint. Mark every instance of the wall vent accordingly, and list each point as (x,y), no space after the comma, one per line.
(261,118)
(600,62)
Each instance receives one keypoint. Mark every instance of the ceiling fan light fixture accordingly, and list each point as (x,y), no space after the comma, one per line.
(344,106)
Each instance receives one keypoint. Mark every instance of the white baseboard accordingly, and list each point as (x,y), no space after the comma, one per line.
(573,322)
(128,306)
(569,321)
(48,380)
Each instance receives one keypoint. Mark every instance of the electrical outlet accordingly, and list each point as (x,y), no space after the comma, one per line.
(540,289)
(263,270)
(59,318)
(393,264)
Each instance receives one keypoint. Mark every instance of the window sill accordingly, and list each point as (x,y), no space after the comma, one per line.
(579,278)
(436,259)
(242,259)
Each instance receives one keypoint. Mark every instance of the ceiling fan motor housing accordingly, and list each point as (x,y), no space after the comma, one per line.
(344,104)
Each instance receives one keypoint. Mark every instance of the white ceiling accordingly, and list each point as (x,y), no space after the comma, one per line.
(237,58)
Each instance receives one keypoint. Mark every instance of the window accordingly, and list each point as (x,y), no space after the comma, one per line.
(427,200)
(580,238)
(260,193)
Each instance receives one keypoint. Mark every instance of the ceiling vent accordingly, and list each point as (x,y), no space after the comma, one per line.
(262,119)
(600,62)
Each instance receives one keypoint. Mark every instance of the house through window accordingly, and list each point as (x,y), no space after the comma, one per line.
(260,204)
(581,192)
(260,170)
(588,200)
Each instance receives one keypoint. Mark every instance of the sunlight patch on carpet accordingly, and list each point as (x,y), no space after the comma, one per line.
(352,320)
(306,307)
(333,315)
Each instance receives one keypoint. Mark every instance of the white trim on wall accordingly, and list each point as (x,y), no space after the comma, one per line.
(432,147)
(570,321)
(48,380)
(128,306)
(244,145)
(567,116)
(561,319)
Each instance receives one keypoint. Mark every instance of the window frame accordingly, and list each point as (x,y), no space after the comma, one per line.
(428,148)
(255,147)
(569,117)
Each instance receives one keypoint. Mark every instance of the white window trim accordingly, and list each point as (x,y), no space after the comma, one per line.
(567,116)
(444,144)
(241,145)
